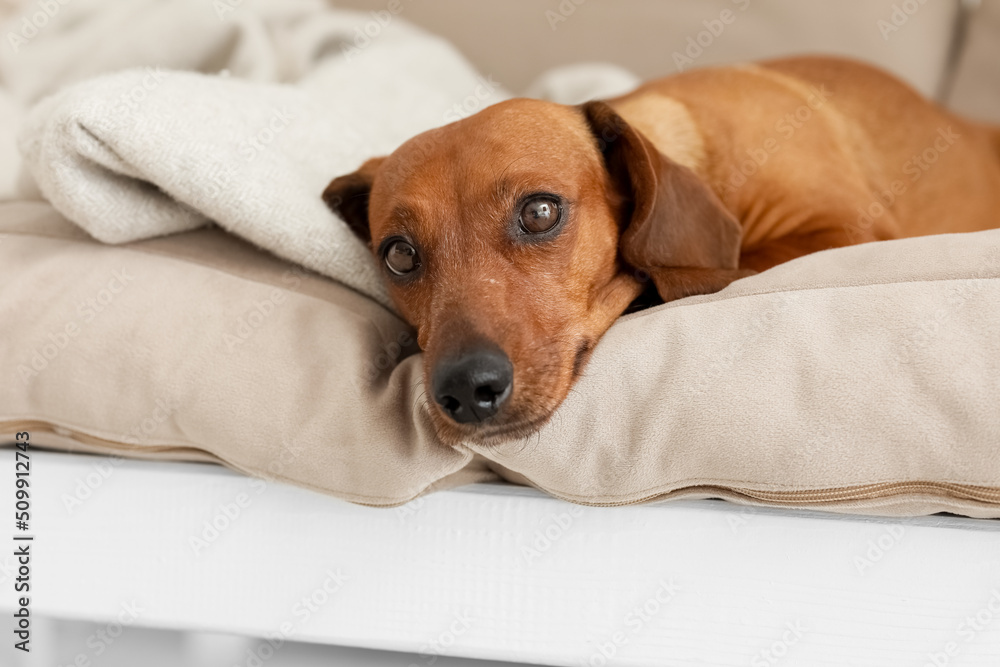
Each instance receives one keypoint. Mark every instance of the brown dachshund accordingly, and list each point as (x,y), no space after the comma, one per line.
(514,238)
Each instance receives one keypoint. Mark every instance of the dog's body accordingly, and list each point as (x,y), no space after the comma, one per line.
(514,238)
(822,147)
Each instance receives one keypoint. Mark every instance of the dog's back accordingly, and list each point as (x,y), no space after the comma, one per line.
(995,132)
(785,141)
(945,167)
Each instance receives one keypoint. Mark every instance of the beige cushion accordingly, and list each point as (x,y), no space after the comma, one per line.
(863,379)
(210,347)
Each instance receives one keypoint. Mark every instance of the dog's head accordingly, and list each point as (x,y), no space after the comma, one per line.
(514,238)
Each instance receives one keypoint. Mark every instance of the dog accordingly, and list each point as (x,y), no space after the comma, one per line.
(512,239)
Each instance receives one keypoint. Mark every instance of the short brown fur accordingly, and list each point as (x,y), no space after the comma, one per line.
(734,171)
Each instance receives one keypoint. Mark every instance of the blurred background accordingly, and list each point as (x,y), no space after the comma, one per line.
(515,41)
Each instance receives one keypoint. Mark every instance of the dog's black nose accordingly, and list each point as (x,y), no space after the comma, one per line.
(472,386)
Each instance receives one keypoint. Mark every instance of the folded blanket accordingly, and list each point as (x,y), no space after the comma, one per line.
(299,94)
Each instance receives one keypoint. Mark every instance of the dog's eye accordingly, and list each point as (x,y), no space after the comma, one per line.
(401,257)
(540,214)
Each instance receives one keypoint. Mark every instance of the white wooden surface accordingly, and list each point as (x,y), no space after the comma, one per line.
(66,641)
(505,573)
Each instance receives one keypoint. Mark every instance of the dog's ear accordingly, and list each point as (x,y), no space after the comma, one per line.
(347,196)
(673,221)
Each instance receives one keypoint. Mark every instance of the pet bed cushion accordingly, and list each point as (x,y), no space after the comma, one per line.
(863,379)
